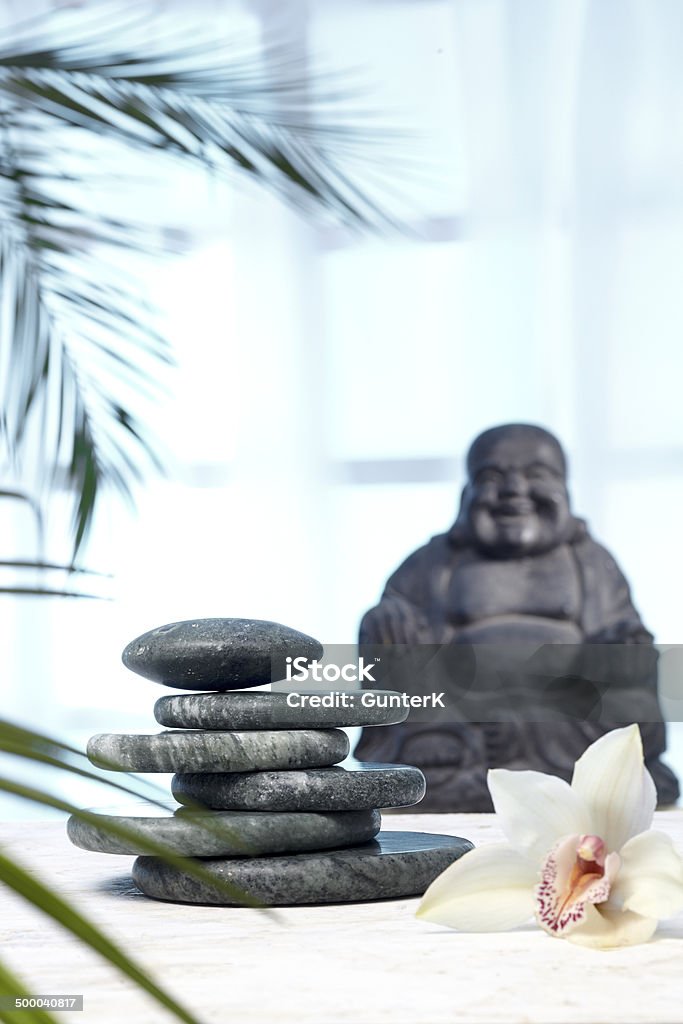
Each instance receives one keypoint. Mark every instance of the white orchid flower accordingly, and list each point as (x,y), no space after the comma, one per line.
(579,857)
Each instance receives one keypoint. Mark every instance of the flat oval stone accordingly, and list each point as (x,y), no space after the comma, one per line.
(218,654)
(394,865)
(231,833)
(218,751)
(358,787)
(251,710)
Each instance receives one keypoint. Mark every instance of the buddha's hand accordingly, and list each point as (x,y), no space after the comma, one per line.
(393,621)
(624,631)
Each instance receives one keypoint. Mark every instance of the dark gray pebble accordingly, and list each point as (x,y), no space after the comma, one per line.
(190,751)
(218,654)
(257,710)
(360,786)
(223,834)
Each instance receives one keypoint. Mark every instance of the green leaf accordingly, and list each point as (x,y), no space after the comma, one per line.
(19,563)
(49,592)
(31,738)
(10,985)
(44,750)
(35,509)
(35,747)
(75,334)
(69,329)
(191,866)
(39,895)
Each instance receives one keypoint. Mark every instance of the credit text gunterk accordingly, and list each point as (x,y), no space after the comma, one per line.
(371,699)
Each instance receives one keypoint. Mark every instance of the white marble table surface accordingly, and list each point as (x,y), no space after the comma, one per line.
(367,963)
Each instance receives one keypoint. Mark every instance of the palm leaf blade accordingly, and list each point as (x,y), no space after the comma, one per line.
(65,324)
(190,866)
(39,895)
(12,986)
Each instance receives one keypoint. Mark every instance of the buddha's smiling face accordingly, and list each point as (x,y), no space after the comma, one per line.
(516,500)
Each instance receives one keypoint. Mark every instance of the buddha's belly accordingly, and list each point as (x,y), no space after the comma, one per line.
(540,594)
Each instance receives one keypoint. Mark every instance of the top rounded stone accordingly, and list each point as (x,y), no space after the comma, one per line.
(218,654)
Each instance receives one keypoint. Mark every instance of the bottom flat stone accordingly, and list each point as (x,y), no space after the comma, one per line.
(224,834)
(394,865)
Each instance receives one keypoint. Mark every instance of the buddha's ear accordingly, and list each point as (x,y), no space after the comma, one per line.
(459,531)
(465,498)
(578,530)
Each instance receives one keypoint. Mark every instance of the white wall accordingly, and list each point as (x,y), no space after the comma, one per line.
(329,384)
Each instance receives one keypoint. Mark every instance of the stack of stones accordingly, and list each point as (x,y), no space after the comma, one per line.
(265,804)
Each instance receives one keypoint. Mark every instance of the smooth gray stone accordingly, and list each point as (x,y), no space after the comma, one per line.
(230,833)
(218,654)
(358,787)
(251,710)
(189,751)
(393,865)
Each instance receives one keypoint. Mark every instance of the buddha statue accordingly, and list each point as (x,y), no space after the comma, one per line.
(516,568)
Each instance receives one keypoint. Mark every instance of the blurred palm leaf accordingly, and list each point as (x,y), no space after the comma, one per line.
(12,987)
(75,338)
(46,750)
(28,568)
(33,565)
(77,342)
(25,884)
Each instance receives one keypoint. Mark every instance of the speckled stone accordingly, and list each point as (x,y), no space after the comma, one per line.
(271,711)
(394,865)
(358,787)
(230,833)
(218,654)
(218,751)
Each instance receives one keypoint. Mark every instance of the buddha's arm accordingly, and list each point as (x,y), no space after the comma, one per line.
(395,620)
(401,616)
(609,614)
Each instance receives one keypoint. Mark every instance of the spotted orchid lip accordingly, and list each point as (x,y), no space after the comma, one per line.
(576,873)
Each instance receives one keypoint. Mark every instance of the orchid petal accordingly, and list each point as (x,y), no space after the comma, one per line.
(650,881)
(606,928)
(611,779)
(488,889)
(535,810)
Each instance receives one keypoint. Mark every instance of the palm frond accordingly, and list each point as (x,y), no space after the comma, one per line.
(76,344)
(67,326)
(25,567)
(34,746)
(260,113)
(36,511)
(13,987)
(25,884)
(24,563)
(46,750)
(46,592)
(191,866)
